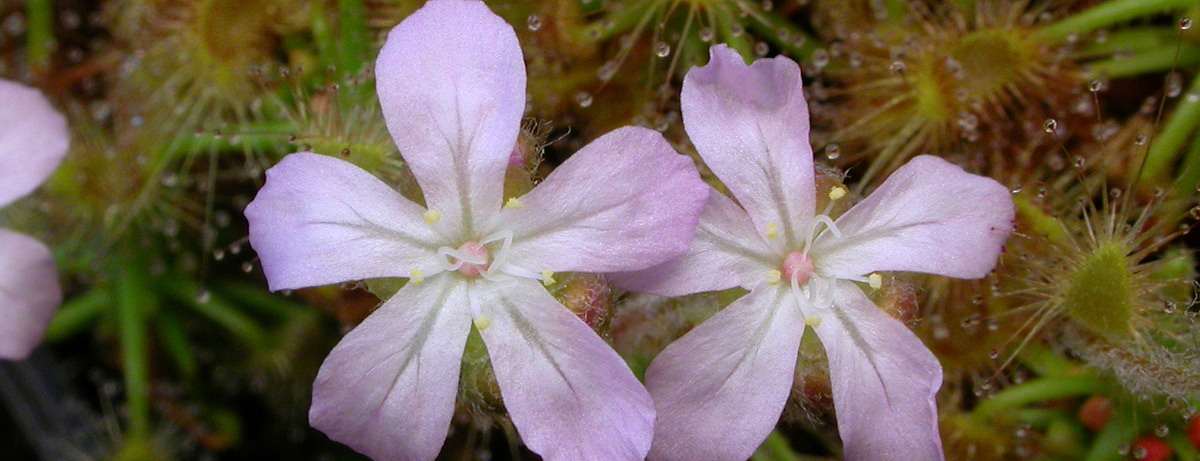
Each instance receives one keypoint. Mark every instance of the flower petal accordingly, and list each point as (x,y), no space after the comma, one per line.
(29,293)
(727,252)
(750,125)
(320,220)
(570,396)
(388,388)
(33,140)
(451,80)
(884,381)
(626,201)
(929,216)
(719,390)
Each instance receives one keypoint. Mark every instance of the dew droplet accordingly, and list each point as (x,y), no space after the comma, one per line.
(1050,125)
(1174,85)
(820,58)
(662,49)
(1123,449)
(534,22)
(737,30)
(1185,23)
(706,34)
(1162,430)
(247,267)
(1140,139)
(203,296)
(584,99)
(607,70)
(993,354)
(761,48)
(1096,85)
(1140,452)
(897,67)
(833,151)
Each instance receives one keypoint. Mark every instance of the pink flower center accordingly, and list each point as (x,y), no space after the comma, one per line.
(797,266)
(477,252)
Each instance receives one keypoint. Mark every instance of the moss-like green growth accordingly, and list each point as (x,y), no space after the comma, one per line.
(1101,295)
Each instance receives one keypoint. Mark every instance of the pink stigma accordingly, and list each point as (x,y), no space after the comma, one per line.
(476,249)
(797,266)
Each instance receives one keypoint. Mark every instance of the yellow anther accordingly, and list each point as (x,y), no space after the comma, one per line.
(513,202)
(774,276)
(415,276)
(432,216)
(875,280)
(837,192)
(548,277)
(772,231)
(813,321)
(482,322)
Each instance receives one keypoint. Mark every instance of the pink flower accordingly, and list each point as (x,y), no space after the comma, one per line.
(719,389)
(33,141)
(451,81)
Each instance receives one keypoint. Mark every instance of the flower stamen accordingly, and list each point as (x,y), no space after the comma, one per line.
(432,216)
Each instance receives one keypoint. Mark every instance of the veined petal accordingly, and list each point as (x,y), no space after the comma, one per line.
(626,201)
(33,140)
(750,125)
(29,293)
(451,80)
(727,252)
(320,220)
(929,216)
(884,381)
(569,394)
(719,390)
(388,388)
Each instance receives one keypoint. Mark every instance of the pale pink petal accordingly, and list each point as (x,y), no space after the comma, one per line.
(320,220)
(570,396)
(626,201)
(726,253)
(884,381)
(388,388)
(29,293)
(750,125)
(451,80)
(719,390)
(33,140)
(929,216)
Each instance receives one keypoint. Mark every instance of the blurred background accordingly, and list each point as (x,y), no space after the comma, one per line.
(1083,344)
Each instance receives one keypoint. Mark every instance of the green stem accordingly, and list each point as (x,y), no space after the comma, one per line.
(727,23)
(352,25)
(1039,221)
(1148,62)
(254,297)
(769,24)
(1184,450)
(1107,14)
(775,448)
(626,18)
(1039,390)
(1165,146)
(1189,177)
(216,309)
(1045,362)
(77,314)
(174,340)
(1132,40)
(1120,430)
(132,302)
(39,38)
